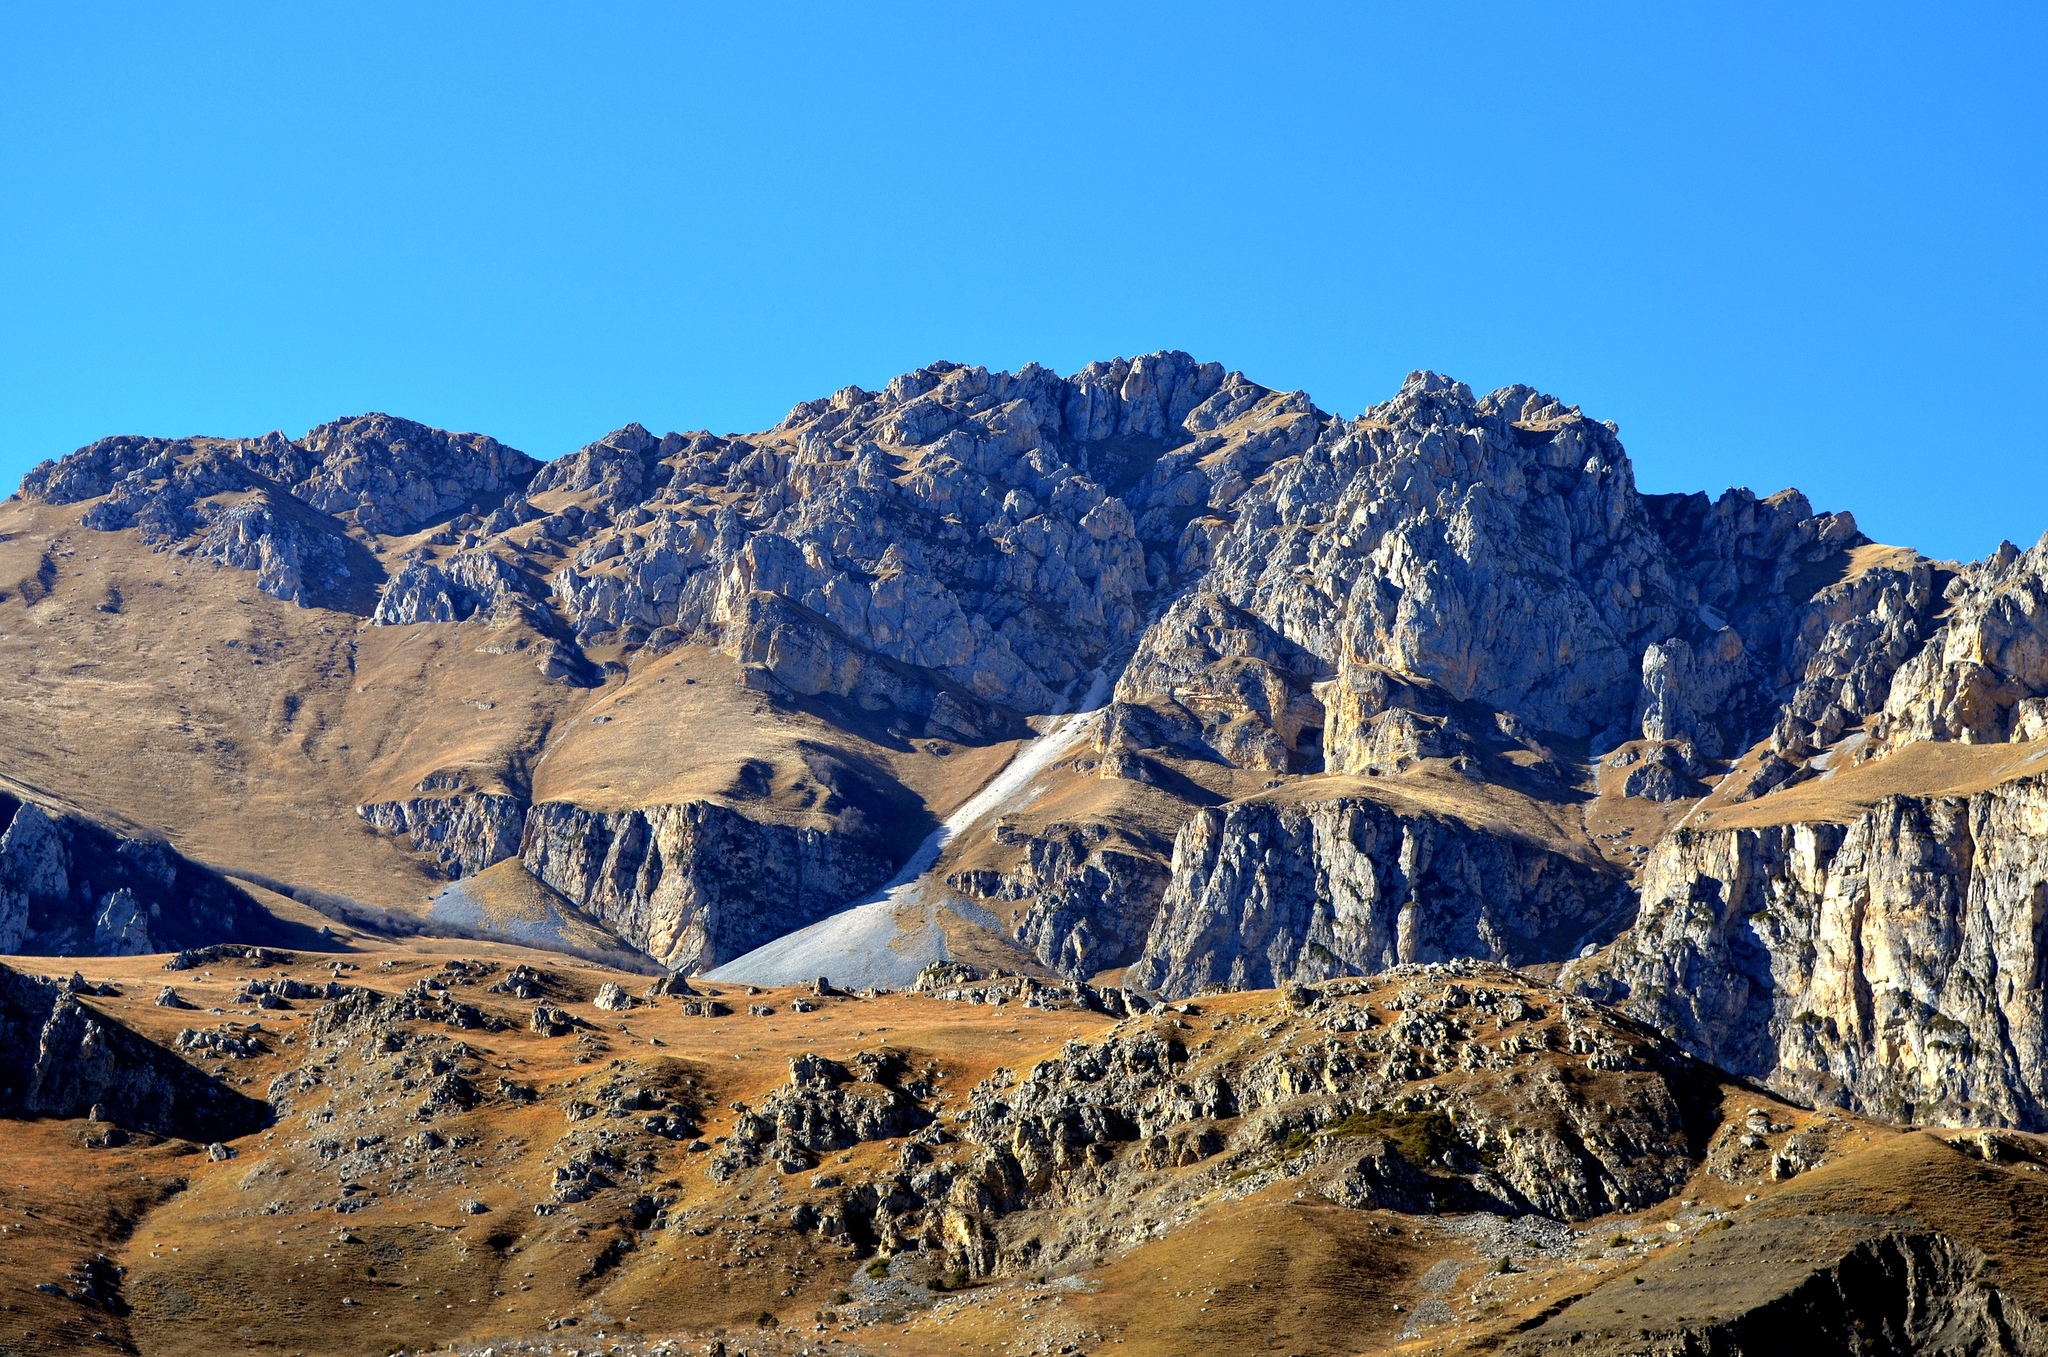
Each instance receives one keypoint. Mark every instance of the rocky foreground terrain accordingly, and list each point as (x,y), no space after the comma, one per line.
(1320,862)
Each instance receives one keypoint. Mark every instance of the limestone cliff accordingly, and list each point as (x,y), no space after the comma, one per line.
(1892,964)
(1263,891)
(698,883)
(1089,895)
(462,833)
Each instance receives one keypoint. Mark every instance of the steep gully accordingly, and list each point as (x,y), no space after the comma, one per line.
(887,938)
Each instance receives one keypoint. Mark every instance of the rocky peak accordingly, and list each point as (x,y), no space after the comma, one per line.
(390,475)
(1983,674)
(620,467)
(960,522)
(1497,548)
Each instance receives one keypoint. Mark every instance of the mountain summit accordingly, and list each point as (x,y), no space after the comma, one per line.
(1559,819)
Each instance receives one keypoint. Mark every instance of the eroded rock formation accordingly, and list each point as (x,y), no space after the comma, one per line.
(70,886)
(1264,891)
(61,1058)
(697,883)
(1892,964)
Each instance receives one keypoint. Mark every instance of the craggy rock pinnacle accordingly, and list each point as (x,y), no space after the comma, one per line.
(1983,676)
(1497,548)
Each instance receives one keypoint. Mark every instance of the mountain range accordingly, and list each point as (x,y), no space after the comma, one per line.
(1397,837)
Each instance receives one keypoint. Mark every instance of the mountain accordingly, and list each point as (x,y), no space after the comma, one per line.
(1088,696)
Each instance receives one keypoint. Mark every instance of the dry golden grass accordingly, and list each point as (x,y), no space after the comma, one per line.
(208,1266)
(1431,788)
(211,1268)
(1927,768)
(247,730)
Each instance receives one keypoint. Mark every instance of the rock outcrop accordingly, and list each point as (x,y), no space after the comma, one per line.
(1892,965)
(1426,533)
(697,883)
(61,1058)
(1899,1290)
(465,584)
(1267,890)
(271,504)
(1091,895)
(1385,1094)
(1982,676)
(463,832)
(70,886)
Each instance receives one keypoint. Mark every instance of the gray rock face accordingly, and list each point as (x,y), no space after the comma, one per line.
(963,523)
(464,585)
(1495,548)
(1742,562)
(1892,965)
(297,560)
(697,883)
(789,651)
(200,498)
(690,884)
(1385,722)
(1092,898)
(72,887)
(463,833)
(1407,537)
(1852,638)
(1214,680)
(1263,891)
(60,1058)
(388,475)
(270,504)
(1972,678)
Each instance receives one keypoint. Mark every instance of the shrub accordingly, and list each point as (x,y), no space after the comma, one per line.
(1421,1137)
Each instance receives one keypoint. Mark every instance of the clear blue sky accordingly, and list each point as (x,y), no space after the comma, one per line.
(1779,244)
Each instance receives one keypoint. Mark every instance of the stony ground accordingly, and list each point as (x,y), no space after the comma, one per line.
(990,1165)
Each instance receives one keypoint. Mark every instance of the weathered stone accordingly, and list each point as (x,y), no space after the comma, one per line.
(60,1058)
(1263,891)
(462,833)
(1888,965)
(70,886)
(697,883)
